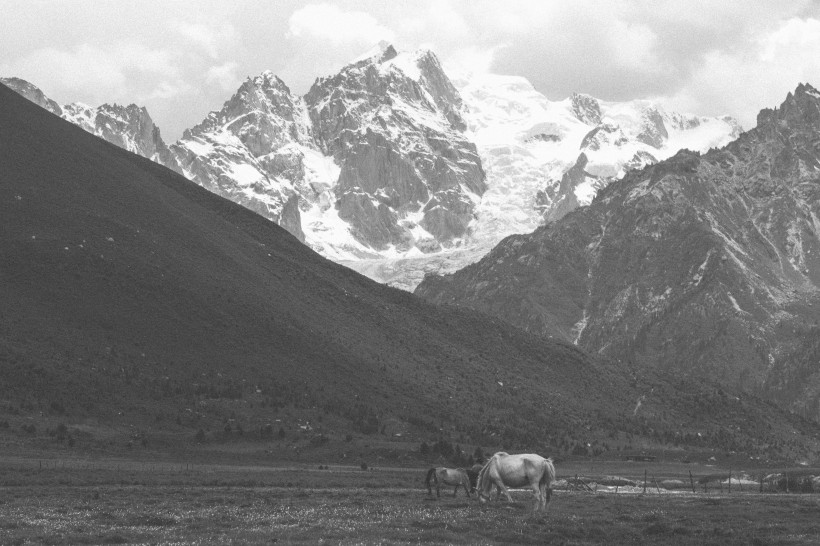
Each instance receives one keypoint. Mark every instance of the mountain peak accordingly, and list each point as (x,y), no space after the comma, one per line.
(382,51)
(800,109)
(269,80)
(806,89)
(586,108)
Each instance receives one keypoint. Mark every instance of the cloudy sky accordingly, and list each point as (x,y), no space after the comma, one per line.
(182,59)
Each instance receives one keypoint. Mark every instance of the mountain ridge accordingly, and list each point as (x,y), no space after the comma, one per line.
(393,169)
(701,264)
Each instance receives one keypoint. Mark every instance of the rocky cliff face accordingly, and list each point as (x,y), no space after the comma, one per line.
(707,265)
(129,127)
(409,177)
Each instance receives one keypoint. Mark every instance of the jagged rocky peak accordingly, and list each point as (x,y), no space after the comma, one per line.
(263,114)
(129,127)
(409,176)
(252,151)
(32,93)
(586,108)
(654,132)
(800,109)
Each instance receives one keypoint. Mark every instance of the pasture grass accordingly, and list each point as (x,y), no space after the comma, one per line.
(387,506)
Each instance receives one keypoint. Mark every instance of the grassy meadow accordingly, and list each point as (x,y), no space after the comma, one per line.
(117,501)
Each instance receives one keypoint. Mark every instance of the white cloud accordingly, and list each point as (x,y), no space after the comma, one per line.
(165,90)
(328,22)
(223,75)
(632,45)
(467,61)
(210,39)
(101,75)
(743,82)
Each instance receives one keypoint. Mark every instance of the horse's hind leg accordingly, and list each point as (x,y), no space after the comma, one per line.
(455,491)
(537,497)
(542,496)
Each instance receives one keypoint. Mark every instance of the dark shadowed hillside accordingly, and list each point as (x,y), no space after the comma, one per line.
(130,296)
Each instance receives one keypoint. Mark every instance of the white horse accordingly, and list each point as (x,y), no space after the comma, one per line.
(504,470)
(447,476)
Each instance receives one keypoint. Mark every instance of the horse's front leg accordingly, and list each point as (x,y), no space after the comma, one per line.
(438,491)
(455,491)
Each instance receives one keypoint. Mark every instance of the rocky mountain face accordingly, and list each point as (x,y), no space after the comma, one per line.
(704,265)
(129,127)
(409,177)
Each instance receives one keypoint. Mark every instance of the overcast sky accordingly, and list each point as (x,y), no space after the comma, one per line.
(183,59)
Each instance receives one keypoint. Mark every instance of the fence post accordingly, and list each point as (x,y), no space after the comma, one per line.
(644,481)
(761,482)
(692,481)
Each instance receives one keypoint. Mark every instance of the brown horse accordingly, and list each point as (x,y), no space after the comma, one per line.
(503,470)
(447,476)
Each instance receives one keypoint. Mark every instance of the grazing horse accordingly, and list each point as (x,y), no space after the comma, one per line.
(447,476)
(503,470)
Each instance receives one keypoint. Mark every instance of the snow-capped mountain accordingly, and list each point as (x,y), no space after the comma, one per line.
(528,144)
(705,265)
(545,158)
(371,163)
(129,127)
(391,168)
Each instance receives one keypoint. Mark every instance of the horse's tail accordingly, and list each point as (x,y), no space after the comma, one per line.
(430,475)
(481,482)
(548,478)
